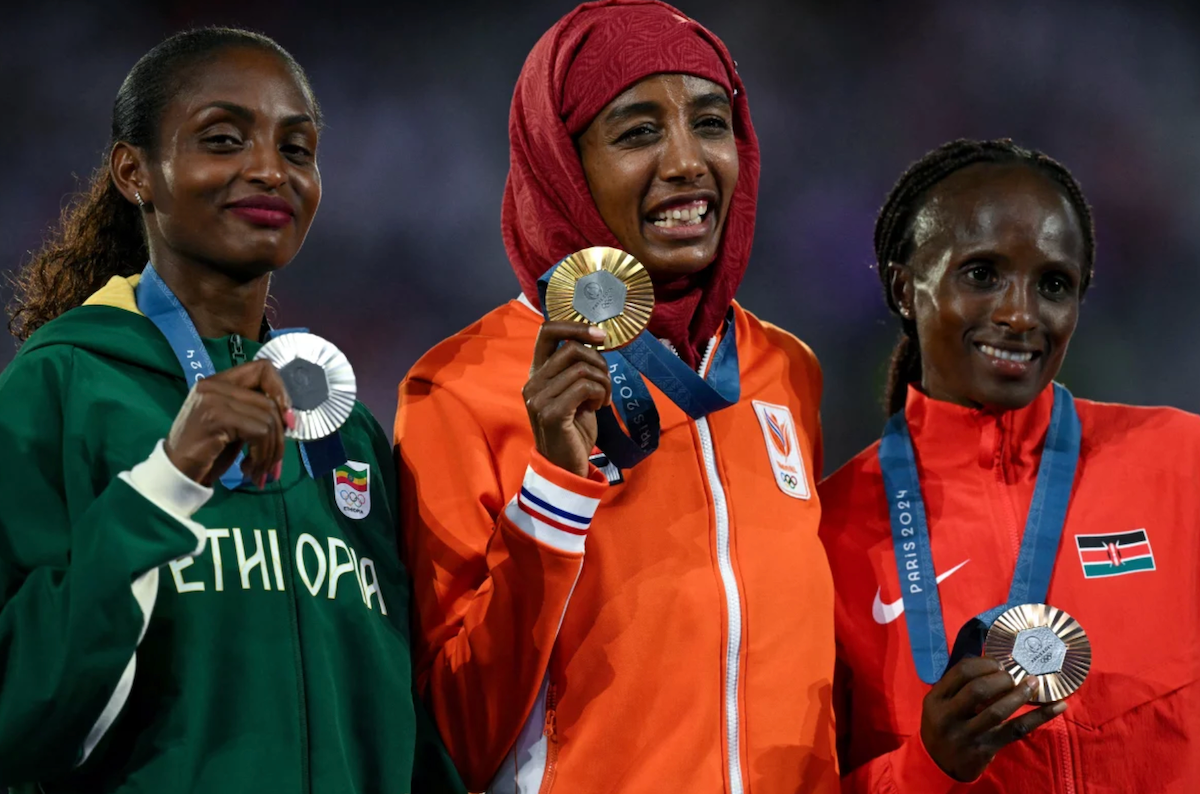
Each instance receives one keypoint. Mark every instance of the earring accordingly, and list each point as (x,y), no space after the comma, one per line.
(137,195)
(905,312)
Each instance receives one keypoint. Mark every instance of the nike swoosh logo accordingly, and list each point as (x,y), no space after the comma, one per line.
(886,613)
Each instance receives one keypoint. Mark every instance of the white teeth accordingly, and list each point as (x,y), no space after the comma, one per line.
(687,216)
(1007,355)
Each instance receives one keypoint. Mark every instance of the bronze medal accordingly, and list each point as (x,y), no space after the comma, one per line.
(1042,641)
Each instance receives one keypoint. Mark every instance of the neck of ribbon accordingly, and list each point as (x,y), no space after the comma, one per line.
(910,531)
(646,357)
(161,306)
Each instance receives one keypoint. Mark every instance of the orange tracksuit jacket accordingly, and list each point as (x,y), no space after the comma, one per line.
(1126,569)
(671,631)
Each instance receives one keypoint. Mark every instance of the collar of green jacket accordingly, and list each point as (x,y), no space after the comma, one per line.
(110,324)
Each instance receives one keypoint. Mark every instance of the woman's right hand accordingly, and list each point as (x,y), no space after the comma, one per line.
(247,407)
(567,384)
(965,716)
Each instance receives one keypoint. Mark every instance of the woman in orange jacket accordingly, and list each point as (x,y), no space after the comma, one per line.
(585,624)
(985,250)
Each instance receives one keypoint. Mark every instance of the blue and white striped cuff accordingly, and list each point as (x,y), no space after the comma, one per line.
(552,514)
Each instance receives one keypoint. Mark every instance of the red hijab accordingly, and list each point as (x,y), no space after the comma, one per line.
(591,56)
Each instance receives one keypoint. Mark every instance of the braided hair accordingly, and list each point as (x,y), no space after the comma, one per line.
(894,232)
(100,233)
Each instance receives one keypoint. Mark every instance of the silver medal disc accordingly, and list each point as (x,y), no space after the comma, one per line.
(319,380)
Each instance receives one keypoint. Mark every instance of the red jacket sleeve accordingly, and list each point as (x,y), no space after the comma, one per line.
(492,573)
(906,770)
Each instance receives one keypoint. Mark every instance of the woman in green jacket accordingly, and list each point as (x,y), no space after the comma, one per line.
(172,619)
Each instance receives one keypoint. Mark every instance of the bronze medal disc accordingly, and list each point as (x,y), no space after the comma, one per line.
(1042,641)
(605,287)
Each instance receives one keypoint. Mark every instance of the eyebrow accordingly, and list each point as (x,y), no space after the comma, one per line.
(710,100)
(623,112)
(246,114)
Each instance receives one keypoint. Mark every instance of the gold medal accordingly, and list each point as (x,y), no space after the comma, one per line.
(605,287)
(1042,641)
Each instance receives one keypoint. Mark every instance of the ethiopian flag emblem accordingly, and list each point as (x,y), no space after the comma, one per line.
(352,488)
(1114,554)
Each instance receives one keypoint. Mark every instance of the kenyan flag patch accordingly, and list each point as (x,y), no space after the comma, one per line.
(1114,554)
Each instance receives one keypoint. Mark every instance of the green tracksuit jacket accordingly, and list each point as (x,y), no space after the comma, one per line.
(274,660)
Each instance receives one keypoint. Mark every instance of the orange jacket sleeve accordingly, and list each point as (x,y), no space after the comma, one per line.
(492,573)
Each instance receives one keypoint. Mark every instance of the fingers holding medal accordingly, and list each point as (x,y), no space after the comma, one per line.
(299,386)
(596,299)
(246,407)
(967,716)
(568,383)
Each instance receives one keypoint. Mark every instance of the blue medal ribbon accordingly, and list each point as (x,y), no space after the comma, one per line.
(696,396)
(910,531)
(160,305)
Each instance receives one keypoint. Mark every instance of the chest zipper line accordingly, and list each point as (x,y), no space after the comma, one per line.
(733,607)
(999,464)
(733,602)
(236,353)
(1001,467)
(301,689)
(550,731)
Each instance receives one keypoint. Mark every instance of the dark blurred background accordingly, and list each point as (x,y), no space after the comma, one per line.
(406,248)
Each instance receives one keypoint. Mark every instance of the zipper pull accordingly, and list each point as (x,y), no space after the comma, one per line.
(550,730)
(235,350)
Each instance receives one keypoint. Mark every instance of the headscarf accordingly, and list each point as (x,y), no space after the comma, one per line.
(590,57)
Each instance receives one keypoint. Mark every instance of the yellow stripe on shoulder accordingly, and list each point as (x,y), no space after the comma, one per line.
(118,293)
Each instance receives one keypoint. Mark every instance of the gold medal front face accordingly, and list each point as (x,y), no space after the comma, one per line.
(605,287)
(1045,642)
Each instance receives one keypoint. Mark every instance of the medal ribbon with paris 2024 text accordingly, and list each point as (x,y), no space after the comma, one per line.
(696,396)
(160,305)
(910,531)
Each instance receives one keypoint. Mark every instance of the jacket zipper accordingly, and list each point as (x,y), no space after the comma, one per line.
(550,731)
(1068,761)
(298,654)
(1010,512)
(1057,726)
(236,353)
(733,601)
(733,607)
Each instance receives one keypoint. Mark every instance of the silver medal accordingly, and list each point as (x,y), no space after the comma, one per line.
(319,380)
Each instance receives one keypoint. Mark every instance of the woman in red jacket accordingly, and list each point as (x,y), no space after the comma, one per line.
(985,250)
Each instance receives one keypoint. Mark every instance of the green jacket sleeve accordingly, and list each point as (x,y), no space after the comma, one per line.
(69,555)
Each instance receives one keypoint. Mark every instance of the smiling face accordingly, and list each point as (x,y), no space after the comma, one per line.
(993,284)
(234,183)
(661,162)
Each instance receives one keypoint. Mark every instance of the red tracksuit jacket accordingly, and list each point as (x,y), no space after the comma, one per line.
(1126,569)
